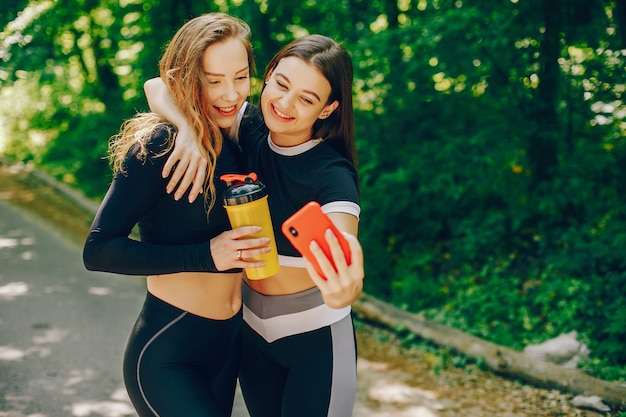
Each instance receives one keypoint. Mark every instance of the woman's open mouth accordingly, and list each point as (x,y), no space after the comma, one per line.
(226,111)
(281,114)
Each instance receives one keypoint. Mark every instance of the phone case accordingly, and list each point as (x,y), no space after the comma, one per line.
(308,224)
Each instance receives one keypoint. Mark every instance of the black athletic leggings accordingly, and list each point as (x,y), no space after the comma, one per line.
(306,369)
(178,364)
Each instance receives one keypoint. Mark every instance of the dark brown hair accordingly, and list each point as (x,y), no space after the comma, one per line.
(333,61)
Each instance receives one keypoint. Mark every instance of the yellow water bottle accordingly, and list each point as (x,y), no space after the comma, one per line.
(246,204)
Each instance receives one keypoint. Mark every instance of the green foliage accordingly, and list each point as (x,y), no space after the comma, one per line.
(465,210)
(514,311)
(84,150)
(490,136)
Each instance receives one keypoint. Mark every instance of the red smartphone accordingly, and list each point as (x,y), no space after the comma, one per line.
(308,224)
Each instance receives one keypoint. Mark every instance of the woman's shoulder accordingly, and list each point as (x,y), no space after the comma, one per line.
(253,111)
(252,128)
(328,153)
(159,137)
(151,143)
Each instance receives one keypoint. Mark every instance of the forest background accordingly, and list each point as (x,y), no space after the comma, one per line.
(491,137)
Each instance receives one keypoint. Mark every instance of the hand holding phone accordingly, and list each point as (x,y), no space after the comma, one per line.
(309,224)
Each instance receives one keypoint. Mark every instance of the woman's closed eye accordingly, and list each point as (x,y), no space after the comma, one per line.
(284,86)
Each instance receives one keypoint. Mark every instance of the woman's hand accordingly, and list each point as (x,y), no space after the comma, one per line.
(190,166)
(232,249)
(344,284)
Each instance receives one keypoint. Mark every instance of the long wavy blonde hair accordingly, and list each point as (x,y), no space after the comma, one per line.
(182,71)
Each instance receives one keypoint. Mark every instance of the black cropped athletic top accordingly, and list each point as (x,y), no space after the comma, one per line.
(174,234)
(312,171)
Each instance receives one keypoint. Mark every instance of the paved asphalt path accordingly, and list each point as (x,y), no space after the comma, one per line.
(62,328)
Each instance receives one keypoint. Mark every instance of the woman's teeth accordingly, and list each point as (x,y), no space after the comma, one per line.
(281,114)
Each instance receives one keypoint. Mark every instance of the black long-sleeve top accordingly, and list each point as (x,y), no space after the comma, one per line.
(174,235)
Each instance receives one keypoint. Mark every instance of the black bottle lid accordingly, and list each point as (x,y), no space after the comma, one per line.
(242,189)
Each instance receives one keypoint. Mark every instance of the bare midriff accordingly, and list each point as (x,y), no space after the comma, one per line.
(210,295)
(289,280)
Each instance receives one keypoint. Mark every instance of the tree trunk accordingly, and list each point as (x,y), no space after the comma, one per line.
(501,360)
(620,21)
(392,12)
(542,149)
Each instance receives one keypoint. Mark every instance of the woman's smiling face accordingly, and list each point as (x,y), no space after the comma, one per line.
(226,69)
(295,96)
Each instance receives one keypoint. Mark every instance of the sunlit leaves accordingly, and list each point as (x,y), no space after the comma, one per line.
(379,24)
(13,34)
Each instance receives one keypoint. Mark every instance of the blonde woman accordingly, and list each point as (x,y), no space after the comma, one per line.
(182,357)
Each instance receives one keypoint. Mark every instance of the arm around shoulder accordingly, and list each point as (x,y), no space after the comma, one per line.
(161,102)
(190,164)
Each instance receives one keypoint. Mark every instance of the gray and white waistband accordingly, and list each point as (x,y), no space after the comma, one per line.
(277,316)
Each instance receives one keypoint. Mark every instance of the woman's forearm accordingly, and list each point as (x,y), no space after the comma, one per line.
(161,102)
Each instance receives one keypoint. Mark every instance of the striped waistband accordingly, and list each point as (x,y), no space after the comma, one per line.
(277,316)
